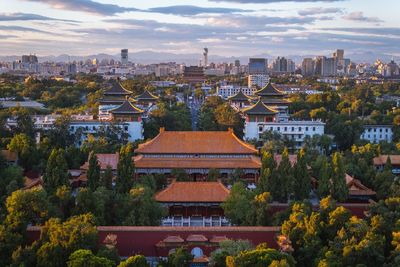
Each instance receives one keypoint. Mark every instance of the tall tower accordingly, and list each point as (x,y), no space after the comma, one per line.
(205,54)
(124,56)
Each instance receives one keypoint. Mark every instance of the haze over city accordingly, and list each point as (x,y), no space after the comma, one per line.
(366,29)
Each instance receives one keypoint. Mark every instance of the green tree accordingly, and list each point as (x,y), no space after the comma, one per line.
(85,258)
(59,240)
(261,257)
(93,172)
(228,248)
(106,178)
(181,257)
(286,178)
(213,175)
(125,169)
(23,145)
(134,261)
(56,173)
(238,206)
(339,189)
(324,183)
(302,179)
(268,178)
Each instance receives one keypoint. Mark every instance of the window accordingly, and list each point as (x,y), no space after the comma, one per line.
(306,128)
(260,128)
(285,128)
(126,128)
(279,128)
(299,128)
(292,129)
(197,252)
(313,128)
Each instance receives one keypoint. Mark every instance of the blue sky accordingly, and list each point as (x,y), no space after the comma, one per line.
(227,27)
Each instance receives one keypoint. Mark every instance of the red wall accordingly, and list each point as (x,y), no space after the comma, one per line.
(142,240)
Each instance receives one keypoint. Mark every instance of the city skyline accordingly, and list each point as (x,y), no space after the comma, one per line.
(229,27)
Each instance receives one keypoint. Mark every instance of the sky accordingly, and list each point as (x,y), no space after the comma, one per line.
(226,27)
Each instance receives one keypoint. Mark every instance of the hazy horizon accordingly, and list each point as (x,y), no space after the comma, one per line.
(230,28)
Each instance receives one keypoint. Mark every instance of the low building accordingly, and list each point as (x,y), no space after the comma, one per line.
(377,133)
(257,80)
(240,100)
(194,204)
(194,74)
(381,161)
(226,91)
(10,157)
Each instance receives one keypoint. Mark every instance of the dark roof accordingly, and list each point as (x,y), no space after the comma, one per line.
(259,109)
(126,108)
(117,89)
(146,95)
(239,97)
(269,90)
(113,100)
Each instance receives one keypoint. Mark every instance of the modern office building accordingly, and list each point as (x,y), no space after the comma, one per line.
(258,66)
(124,56)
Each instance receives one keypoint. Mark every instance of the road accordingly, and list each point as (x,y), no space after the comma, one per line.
(194,106)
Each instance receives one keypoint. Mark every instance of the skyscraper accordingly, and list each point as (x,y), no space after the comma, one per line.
(258,66)
(205,54)
(124,56)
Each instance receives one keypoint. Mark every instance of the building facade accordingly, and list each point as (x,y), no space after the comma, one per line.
(377,133)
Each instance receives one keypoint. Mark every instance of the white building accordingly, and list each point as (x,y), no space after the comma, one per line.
(226,91)
(377,133)
(258,80)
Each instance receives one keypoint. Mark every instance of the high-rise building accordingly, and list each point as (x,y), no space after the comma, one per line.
(258,66)
(283,65)
(205,54)
(237,63)
(124,56)
(307,67)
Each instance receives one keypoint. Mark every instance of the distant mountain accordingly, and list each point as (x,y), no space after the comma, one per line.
(149,57)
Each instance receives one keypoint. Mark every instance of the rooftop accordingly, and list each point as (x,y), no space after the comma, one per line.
(206,142)
(146,95)
(117,89)
(126,108)
(259,109)
(382,159)
(104,160)
(193,192)
(251,162)
(239,97)
(269,90)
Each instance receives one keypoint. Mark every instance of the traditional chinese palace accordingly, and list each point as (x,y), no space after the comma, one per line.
(197,153)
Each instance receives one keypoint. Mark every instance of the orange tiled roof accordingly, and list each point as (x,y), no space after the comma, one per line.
(104,161)
(381,160)
(207,142)
(173,239)
(31,183)
(193,192)
(9,155)
(252,162)
(196,238)
(357,188)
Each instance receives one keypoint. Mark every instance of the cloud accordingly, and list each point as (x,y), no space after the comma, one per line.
(88,6)
(274,1)
(319,10)
(385,31)
(20,29)
(188,10)
(27,17)
(359,16)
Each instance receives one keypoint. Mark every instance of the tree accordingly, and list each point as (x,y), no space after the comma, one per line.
(261,204)
(268,182)
(134,261)
(125,169)
(106,178)
(85,258)
(228,248)
(286,179)
(339,189)
(56,173)
(93,172)
(142,209)
(384,180)
(213,175)
(23,145)
(180,175)
(302,179)
(181,257)
(261,257)
(59,240)
(324,183)
(26,207)
(238,207)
